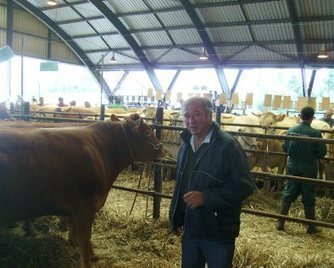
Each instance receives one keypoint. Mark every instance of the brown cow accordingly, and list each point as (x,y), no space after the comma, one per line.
(69,171)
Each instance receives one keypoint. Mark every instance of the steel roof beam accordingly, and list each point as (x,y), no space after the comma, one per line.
(122,30)
(171,84)
(101,6)
(223,82)
(228,64)
(310,87)
(163,26)
(201,31)
(206,25)
(163,10)
(120,82)
(62,22)
(219,44)
(296,30)
(65,38)
(236,81)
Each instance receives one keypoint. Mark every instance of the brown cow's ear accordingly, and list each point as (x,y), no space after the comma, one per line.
(134,124)
(113,117)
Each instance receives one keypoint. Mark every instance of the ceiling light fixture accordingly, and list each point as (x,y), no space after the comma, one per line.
(52,2)
(323,54)
(113,59)
(203,55)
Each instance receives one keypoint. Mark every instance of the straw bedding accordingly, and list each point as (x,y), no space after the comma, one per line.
(125,237)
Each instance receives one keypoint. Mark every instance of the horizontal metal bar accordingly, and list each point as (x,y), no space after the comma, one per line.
(244,210)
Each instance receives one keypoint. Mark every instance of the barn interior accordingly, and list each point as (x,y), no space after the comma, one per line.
(160,47)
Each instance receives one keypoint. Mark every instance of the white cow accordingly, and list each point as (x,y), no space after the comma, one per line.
(265,121)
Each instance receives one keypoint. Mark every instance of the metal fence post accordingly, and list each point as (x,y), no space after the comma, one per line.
(25,110)
(102,111)
(218,113)
(157,168)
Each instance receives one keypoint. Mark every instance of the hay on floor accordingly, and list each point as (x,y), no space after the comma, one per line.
(124,239)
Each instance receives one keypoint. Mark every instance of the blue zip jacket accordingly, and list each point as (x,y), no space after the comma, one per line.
(222,174)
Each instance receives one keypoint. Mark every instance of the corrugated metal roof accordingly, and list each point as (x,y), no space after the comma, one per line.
(42,3)
(230,34)
(141,21)
(177,56)
(96,58)
(308,8)
(103,25)
(153,38)
(260,54)
(123,6)
(273,32)
(77,28)
(185,36)
(266,11)
(211,1)
(221,14)
(154,54)
(289,50)
(90,43)
(175,18)
(275,29)
(161,4)
(87,10)
(227,52)
(116,41)
(318,30)
(60,14)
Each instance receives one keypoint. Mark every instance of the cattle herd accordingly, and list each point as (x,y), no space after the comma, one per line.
(67,169)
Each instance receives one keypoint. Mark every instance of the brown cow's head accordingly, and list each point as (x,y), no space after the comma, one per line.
(142,140)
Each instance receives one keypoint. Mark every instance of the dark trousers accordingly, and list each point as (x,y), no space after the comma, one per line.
(217,254)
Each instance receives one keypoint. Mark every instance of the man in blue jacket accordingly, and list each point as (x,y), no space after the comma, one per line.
(213,178)
(303,162)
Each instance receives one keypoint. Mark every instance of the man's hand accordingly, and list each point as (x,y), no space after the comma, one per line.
(194,199)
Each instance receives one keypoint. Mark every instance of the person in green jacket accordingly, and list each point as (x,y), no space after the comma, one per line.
(302,161)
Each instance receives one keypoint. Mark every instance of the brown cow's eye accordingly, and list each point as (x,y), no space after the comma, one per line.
(148,131)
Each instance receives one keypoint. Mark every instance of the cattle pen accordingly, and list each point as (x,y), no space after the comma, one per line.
(160,199)
(160,127)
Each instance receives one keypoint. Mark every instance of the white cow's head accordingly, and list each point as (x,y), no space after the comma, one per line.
(268,120)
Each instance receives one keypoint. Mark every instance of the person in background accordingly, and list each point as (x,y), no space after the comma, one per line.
(213,179)
(61,102)
(302,161)
(87,104)
(73,103)
(41,101)
(328,117)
